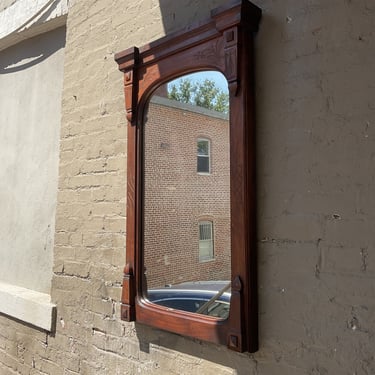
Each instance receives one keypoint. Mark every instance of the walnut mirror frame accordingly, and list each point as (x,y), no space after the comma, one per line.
(224,43)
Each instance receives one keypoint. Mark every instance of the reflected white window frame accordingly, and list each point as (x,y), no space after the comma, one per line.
(201,139)
(206,243)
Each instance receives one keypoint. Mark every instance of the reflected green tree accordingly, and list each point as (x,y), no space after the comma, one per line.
(204,94)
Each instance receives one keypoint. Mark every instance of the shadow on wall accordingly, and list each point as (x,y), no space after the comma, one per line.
(177,15)
(241,363)
(31,52)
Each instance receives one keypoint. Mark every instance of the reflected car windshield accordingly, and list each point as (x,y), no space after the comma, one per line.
(208,298)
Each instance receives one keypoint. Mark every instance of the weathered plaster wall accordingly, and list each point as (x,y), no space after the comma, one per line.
(23,19)
(316,136)
(6,3)
(31,75)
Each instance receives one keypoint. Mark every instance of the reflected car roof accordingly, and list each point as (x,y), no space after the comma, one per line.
(211,285)
(190,290)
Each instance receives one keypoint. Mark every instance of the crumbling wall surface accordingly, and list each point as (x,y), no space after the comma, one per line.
(315,147)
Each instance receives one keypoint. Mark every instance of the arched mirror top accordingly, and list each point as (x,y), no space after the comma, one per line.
(206,199)
(211,45)
(199,79)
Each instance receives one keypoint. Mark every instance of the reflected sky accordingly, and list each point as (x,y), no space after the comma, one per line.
(218,77)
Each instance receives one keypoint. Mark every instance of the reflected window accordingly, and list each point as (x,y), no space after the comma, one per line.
(203,155)
(206,242)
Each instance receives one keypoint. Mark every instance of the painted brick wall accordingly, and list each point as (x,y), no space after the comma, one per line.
(316,209)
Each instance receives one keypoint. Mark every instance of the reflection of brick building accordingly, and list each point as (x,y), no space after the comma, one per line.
(179,201)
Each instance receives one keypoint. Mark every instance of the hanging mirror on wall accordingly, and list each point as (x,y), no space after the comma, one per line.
(191,246)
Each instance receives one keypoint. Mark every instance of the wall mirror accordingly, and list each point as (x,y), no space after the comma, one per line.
(191,246)
(186,195)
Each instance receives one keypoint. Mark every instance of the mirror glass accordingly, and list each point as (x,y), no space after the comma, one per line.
(186,217)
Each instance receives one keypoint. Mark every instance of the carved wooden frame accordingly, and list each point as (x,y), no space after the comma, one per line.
(223,43)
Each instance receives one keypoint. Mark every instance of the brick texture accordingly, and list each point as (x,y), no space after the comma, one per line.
(177,197)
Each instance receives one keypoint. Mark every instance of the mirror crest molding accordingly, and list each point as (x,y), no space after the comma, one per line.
(224,43)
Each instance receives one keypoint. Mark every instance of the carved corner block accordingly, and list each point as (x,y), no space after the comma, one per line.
(128,295)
